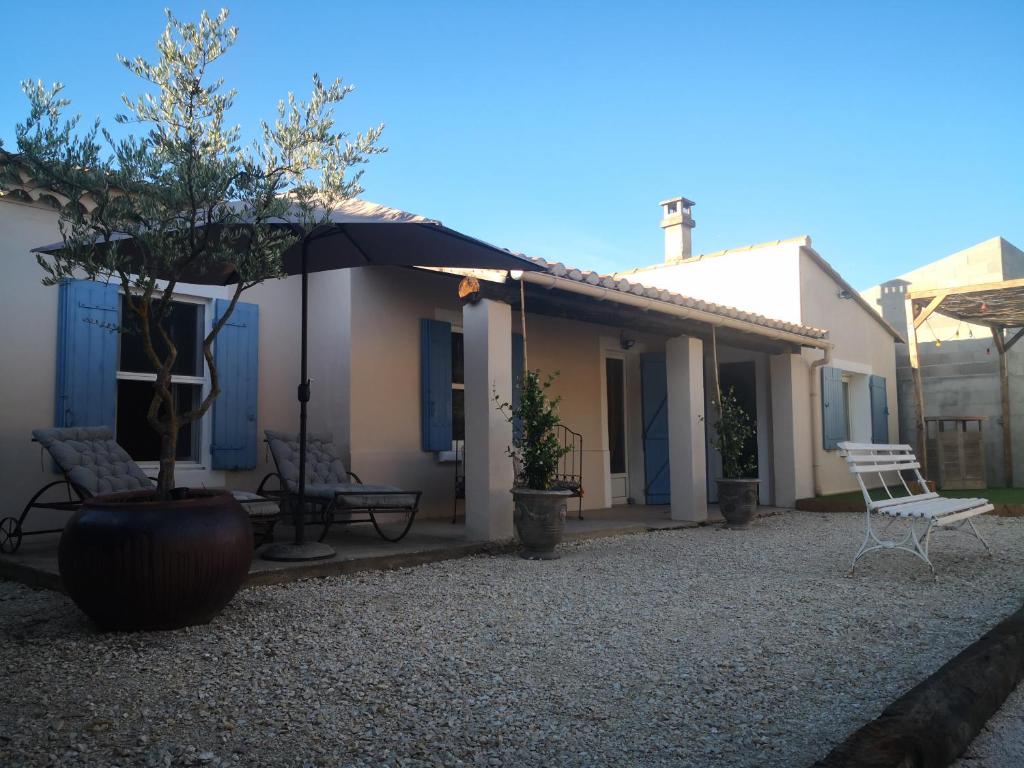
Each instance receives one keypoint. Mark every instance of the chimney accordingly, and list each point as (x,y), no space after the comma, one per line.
(677,223)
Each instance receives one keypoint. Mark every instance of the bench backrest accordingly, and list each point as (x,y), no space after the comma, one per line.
(888,460)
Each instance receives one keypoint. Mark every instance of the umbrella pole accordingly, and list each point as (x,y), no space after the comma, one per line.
(300,502)
(300,549)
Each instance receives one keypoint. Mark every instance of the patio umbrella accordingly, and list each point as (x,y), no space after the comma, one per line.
(358,234)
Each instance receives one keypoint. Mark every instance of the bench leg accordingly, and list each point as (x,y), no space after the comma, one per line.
(909,543)
(977,535)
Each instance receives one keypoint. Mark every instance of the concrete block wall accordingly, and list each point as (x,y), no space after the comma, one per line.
(959,362)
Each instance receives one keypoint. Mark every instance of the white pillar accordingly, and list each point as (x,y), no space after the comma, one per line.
(487,335)
(792,445)
(684,364)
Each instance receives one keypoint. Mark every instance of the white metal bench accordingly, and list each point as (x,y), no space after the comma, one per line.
(924,510)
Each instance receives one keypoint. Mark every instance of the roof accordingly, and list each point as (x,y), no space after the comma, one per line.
(620,284)
(803,242)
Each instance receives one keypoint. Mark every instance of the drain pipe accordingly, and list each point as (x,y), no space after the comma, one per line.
(816,425)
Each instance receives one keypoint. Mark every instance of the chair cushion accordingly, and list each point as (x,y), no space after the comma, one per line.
(256,506)
(323,462)
(92,459)
(361,496)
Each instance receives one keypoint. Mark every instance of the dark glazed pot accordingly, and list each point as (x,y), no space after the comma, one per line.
(540,521)
(131,563)
(737,499)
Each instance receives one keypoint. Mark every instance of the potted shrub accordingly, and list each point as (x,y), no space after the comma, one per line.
(176,193)
(737,488)
(539,508)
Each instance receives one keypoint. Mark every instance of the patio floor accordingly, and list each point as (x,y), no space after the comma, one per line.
(360,549)
(675,649)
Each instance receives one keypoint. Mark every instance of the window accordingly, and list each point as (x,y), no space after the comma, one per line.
(185,327)
(616,404)
(458,388)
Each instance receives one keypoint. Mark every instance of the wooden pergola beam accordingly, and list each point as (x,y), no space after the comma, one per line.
(915,371)
(1013,339)
(1004,401)
(931,307)
(928,293)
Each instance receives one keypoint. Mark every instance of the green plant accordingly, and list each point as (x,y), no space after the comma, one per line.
(535,448)
(734,431)
(192,195)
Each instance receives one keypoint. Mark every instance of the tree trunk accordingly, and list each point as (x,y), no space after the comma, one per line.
(168,454)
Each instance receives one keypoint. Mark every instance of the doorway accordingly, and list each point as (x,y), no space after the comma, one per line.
(741,378)
(615,418)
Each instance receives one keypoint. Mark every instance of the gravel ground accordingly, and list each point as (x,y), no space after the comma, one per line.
(1001,742)
(686,648)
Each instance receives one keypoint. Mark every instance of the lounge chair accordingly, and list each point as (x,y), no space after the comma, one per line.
(93,463)
(331,496)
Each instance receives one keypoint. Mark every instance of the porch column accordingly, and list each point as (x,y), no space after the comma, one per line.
(792,442)
(487,336)
(687,461)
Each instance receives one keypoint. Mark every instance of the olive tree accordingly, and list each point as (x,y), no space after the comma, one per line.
(175,191)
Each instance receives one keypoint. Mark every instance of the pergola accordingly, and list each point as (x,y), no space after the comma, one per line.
(1000,307)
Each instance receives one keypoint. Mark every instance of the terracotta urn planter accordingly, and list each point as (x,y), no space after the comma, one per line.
(540,521)
(737,499)
(132,563)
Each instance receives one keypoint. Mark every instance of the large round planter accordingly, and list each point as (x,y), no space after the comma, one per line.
(737,499)
(540,521)
(132,563)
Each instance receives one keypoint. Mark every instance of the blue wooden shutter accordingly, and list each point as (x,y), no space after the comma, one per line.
(833,408)
(517,378)
(879,410)
(654,405)
(88,327)
(236,355)
(436,384)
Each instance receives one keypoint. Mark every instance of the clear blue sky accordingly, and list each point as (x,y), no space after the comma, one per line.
(889,132)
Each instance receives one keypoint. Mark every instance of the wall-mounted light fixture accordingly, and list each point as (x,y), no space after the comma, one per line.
(844,294)
(469,289)
(624,342)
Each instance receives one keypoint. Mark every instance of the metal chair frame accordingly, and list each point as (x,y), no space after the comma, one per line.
(324,511)
(569,475)
(12,532)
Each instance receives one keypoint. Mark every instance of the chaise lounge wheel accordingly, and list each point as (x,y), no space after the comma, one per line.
(10,535)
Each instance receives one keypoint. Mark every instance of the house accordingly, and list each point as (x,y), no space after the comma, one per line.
(402,368)
(959,362)
(789,280)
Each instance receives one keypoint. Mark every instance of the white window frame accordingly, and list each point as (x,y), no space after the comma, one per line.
(607,352)
(201,461)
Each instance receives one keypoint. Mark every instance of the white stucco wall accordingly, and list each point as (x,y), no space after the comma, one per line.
(28,341)
(28,344)
(783,281)
(384,433)
(764,280)
(862,346)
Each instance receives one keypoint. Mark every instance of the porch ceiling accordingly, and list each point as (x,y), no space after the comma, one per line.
(553,302)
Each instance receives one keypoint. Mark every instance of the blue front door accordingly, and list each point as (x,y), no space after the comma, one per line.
(654,397)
